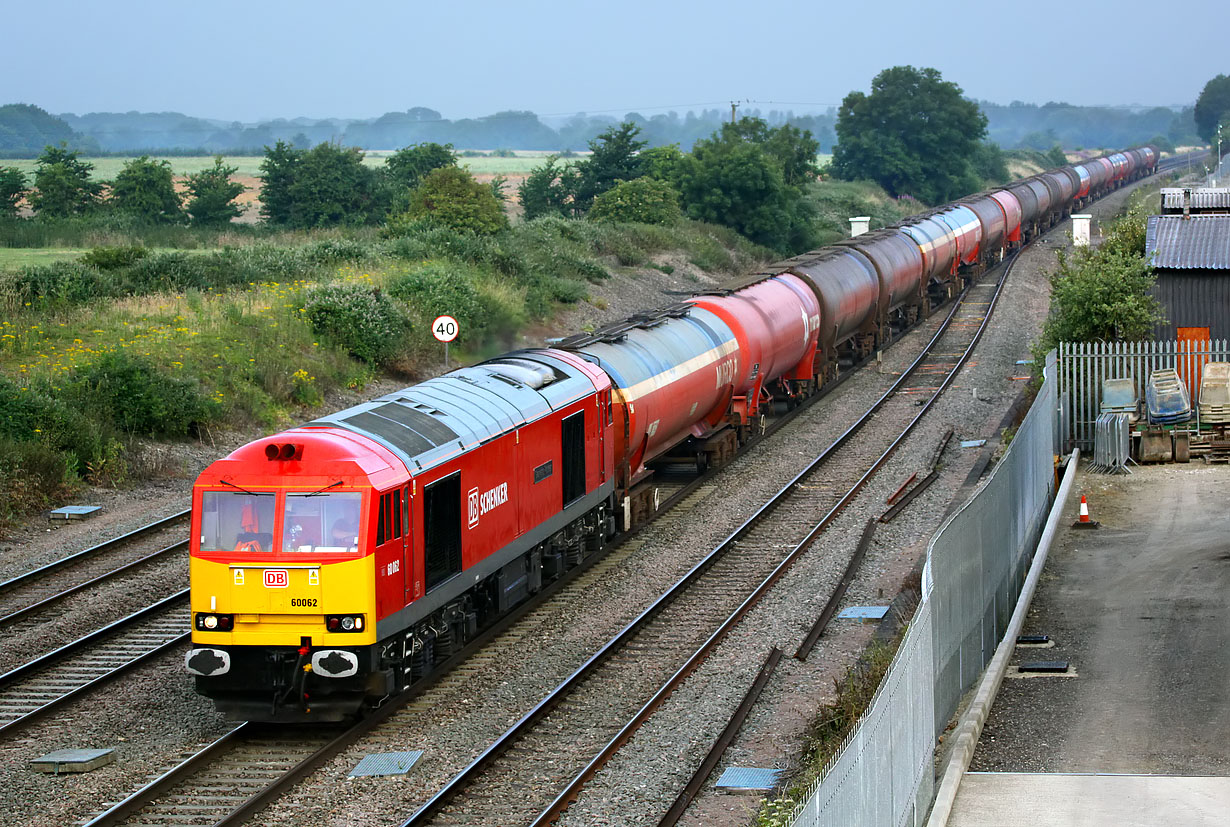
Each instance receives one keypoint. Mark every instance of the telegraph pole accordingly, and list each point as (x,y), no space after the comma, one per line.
(733,106)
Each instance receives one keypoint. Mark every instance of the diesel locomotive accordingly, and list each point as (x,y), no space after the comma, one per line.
(335,563)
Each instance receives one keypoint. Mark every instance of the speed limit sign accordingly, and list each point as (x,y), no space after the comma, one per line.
(445,329)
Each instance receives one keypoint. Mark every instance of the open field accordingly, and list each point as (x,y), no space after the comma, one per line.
(249,165)
(12,258)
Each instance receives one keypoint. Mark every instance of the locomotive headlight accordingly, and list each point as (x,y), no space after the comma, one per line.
(214,622)
(348,624)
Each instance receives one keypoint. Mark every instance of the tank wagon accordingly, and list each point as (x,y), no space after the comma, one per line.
(335,563)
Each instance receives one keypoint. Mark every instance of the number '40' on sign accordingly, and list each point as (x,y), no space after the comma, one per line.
(445,328)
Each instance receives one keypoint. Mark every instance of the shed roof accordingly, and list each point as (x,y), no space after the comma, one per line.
(1199,242)
(1202,198)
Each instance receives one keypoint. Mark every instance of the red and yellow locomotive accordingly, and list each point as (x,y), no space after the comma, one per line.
(334,563)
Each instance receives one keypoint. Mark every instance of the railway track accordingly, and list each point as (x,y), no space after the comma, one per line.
(30,595)
(197,778)
(220,791)
(226,774)
(48,682)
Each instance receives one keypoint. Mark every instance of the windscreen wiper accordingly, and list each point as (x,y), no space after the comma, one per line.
(244,490)
(326,488)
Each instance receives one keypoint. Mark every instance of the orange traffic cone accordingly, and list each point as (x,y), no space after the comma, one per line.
(1084,521)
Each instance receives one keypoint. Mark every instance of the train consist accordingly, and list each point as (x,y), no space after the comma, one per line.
(335,563)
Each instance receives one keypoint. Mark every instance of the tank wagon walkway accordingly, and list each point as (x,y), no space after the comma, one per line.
(1139,733)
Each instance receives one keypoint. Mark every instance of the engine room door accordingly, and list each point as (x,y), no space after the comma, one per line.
(442,530)
(572,448)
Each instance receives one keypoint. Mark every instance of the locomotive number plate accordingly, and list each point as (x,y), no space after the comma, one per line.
(276,578)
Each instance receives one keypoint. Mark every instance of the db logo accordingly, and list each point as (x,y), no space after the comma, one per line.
(276,579)
(473,507)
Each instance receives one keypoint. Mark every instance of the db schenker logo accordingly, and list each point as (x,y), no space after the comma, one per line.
(480,504)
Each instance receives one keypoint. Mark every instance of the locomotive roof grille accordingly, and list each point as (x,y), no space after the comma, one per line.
(407,439)
(431,428)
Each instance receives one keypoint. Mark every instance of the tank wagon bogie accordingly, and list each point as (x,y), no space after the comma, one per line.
(335,563)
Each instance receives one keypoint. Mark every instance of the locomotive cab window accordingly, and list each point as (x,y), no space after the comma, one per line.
(389,519)
(573,465)
(235,521)
(442,529)
(321,523)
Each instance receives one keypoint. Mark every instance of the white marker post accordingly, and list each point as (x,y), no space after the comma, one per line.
(445,329)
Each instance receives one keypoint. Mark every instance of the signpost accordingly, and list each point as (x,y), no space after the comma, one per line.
(445,329)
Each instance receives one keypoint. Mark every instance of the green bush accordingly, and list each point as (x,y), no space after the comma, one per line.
(642,200)
(32,476)
(338,250)
(112,258)
(364,321)
(128,273)
(422,240)
(436,287)
(486,308)
(450,197)
(137,398)
(34,415)
(58,282)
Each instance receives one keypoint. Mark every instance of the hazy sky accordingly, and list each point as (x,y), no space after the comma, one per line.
(255,60)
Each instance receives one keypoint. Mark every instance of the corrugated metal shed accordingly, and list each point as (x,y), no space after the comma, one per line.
(1198,242)
(1203,199)
(1193,298)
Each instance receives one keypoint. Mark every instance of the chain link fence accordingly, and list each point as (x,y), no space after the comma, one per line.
(976,564)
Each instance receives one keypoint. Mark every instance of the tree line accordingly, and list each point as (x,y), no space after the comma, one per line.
(26,129)
(63,187)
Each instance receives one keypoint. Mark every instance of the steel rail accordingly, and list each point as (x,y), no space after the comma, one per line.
(133,803)
(51,658)
(45,660)
(724,740)
(13,617)
(72,559)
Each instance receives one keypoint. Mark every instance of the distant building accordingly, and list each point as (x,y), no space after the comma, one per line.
(1195,200)
(1191,257)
